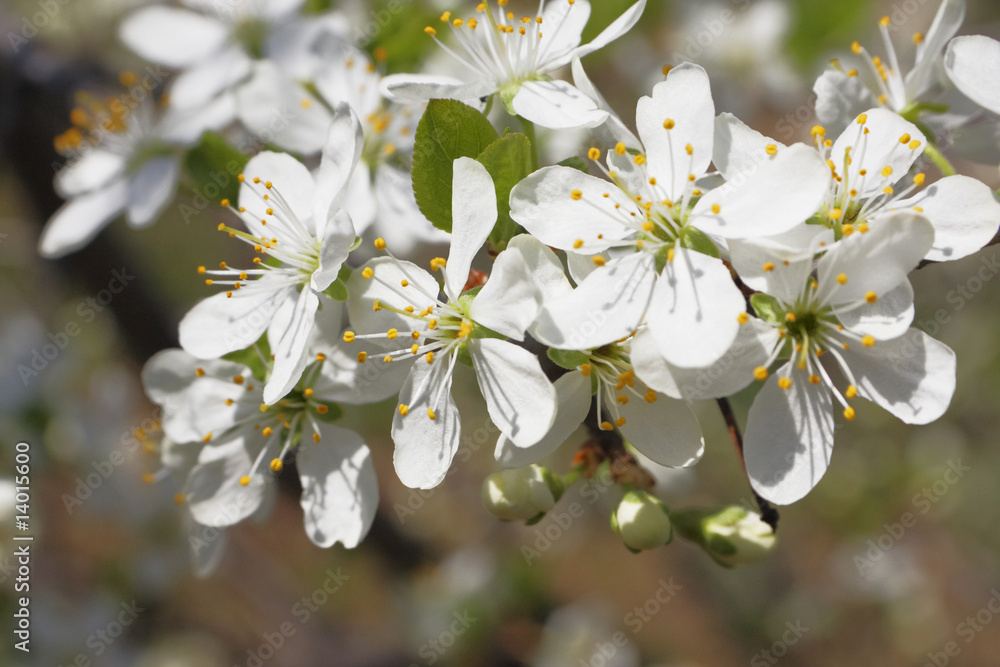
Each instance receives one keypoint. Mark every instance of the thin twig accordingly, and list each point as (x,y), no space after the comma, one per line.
(768,513)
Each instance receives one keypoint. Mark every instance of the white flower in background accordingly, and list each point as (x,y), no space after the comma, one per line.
(656,219)
(869,170)
(382,194)
(296,221)
(973,64)
(664,430)
(842,95)
(513,56)
(232,438)
(124,158)
(852,321)
(400,300)
(214,43)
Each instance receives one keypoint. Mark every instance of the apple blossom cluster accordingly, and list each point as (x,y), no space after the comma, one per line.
(688,261)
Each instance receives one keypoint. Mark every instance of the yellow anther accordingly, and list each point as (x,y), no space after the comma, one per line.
(620,422)
(836,214)
(432,324)
(244,480)
(429,357)
(430,31)
(771,149)
(403,410)
(367,273)
(851,392)
(622,399)
(849,413)
(267,432)
(768,266)
(458,23)
(620,148)
(316,437)
(852,73)
(438,263)
(914,145)
(650,396)
(639,159)
(238,379)
(742,318)
(607,426)
(884,21)
(464,329)
(648,226)
(585,370)
(277,465)
(179,498)
(362,357)
(790,317)
(594,154)
(905,139)
(380,244)
(888,190)
(308,392)
(322,409)
(868,341)
(229,401)
(668,124)
(862,119)
(919,179)
(415,335)
(842,278)
(817,131)
(918,37)
(430,414)
(716,208)
(598,260)
(349,336)
(760,373)
(847,229)
(392,333)
(576,195)
(785,383)
(887,170)
(577,244)
(446,17)
(814,379)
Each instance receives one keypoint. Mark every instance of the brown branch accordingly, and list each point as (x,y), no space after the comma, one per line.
(768,513)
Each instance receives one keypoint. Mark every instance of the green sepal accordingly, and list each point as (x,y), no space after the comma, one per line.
(338,288)
(249,357)
(575,162)
(767,307)
(695,239)
(568,359)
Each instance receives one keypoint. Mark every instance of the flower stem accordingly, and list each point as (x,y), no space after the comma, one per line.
(939,160)
(529,131)
(768,513)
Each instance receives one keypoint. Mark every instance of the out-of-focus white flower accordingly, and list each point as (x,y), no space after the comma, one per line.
(299,221)
(123,159)
(513,56)
(400,300)
(973,64)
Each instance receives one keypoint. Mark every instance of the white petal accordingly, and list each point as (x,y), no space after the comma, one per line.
(785,277)
(912,376)
(289,350)
(344,380)
(185,126)
(875,150)
(520,399)
(214,493)
(94,169)
(400,221)
(510,301)
(609,304)
(543,204)
(563,25)
(219,325)
(876,261)
(665,430)
(425,447)
(151,189)
(613,130)
(289,177)
(359,199)
(418,88)
(172,37)
(338,237)
(789,438)
(686,99)
(282,112)
(545,269)
(573,398)
(339,488)
(196,406)
(618,27)
(840,98)
(972,63)
(80,219)
(208,545)
(694,310)
(748,210)
(738,149)
(965,214)
(947,21)
(730,374)
(420,293)
(889,317)
(196,87)
(557,105)
(474,213)
(341,154)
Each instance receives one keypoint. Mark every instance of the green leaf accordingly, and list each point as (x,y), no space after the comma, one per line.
(447,131)
(695,239)
(767,307)
(509,161)
(249,357)
(577,163)
(213,166)
(568,359)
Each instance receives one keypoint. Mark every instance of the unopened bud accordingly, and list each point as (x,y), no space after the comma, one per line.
(642,521)
(521,494)
(731,535)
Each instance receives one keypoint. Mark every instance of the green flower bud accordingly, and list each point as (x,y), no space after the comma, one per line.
(522,494)
(731,535)
(642,521)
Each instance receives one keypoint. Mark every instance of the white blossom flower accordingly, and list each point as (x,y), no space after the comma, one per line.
(124,158)
(214,43)
(973,63)
(217,407)
(842,95)
(657,221)
(513,57)
(851,320)
(380,195)
(869,169)
(298,222)
(400,300)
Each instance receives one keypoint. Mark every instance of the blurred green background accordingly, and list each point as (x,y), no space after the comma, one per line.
(889,560)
